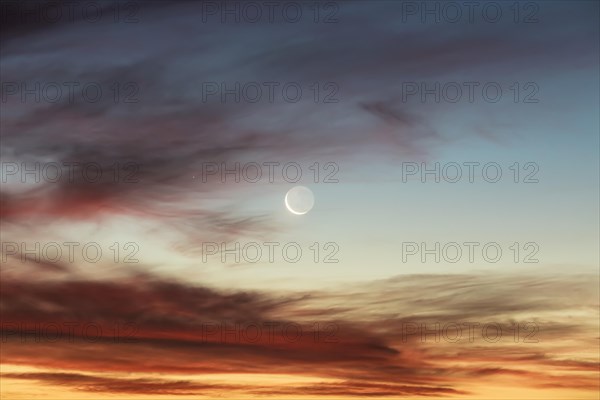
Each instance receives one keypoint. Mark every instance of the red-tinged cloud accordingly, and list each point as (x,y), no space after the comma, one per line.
(172,128)
(96,384)
(373,347)
(415,335)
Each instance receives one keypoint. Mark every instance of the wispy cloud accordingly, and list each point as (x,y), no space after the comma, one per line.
(374,346)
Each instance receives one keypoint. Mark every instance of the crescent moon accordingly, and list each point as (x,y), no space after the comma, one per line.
(299,200)
(290,209)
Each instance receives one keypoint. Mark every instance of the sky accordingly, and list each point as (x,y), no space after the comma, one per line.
(452,149)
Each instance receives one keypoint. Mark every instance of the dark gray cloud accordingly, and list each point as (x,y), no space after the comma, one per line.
(175,49)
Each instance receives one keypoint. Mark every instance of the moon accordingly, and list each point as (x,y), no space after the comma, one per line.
(299,200)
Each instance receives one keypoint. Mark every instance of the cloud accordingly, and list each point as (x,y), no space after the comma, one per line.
(173,128)
(95,384)
(364,341)
(147,325)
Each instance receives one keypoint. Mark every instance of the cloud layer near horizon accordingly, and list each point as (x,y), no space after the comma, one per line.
(383,341)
